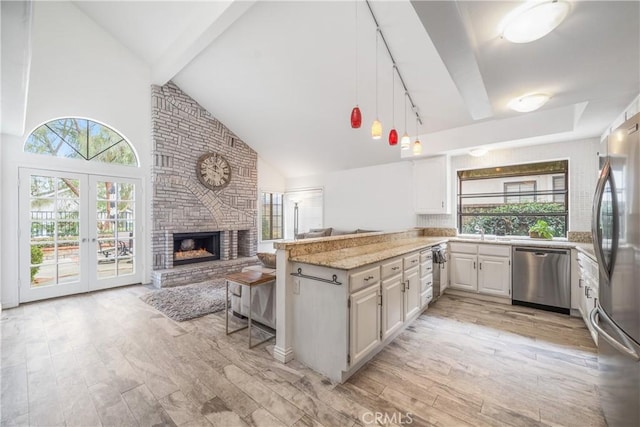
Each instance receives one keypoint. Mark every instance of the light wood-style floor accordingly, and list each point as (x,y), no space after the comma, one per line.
(108,358)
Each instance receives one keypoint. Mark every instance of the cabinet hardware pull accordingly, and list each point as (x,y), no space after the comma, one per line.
(580,283)
(474,265)
(587,289)
(480,265)
(442,204)
(395,268)
(366,279)
(404,286)
(333,281)
(380,301)
(408,283)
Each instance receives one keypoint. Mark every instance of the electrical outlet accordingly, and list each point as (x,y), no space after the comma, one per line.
(296,286)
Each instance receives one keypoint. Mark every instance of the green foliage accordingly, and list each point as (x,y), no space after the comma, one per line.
(542,228)
(36,258)
(514,219)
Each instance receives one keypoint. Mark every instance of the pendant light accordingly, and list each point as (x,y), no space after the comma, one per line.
(393,134)
(376,127)
(356,115)
(405,142)
(417,145)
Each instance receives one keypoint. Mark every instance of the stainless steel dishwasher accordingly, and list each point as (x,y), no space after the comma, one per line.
(541,278)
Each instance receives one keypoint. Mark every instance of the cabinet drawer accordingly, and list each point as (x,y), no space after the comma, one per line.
(495,250)
(426,255)
(426,268)
(391,268)
(411,261)
(365,278)
(426,282)
(426,297)
(464,248)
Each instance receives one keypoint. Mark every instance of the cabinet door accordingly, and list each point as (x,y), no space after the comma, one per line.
(494,276)
(463,274)
(412,290)
(392,305)
(431,185)
(365,322)
(444,276)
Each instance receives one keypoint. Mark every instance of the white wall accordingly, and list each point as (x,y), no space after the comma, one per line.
(375,197)
(271,180)
(77,70)
(583,174)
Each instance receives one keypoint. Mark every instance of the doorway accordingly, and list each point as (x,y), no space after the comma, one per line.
(78,233)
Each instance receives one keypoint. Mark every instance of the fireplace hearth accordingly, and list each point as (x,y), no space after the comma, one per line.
(189,248)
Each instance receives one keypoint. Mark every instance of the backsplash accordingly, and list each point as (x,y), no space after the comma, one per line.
(580,236)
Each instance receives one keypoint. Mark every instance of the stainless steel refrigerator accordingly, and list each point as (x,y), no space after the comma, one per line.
(616,236)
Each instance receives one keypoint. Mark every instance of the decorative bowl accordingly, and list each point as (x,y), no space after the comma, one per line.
(267,259)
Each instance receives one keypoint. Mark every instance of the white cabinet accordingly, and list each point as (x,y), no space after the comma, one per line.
(431,185)
(412,292)
(464,275)
(364,322)
(392,305)
(481,268)
(494,276)
(588,285)
(426,277)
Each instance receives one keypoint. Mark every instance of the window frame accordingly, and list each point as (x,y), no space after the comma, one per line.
(519,194)
(518,170)
(271,215)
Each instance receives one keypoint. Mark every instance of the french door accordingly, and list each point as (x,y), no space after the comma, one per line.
(78,233)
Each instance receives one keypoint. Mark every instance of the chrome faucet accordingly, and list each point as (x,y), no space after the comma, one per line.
(481,230)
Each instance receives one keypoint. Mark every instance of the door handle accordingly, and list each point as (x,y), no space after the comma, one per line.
(474,265)
(627,349)
(480,265)
(408,284)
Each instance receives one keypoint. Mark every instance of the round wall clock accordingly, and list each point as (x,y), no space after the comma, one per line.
(213,171)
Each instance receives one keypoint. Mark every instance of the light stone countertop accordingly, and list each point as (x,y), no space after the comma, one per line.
(358,256)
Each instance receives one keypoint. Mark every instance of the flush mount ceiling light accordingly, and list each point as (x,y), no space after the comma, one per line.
(478,152)
(527,103)
(534,20)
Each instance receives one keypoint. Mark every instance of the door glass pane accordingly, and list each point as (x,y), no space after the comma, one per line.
(55,233)
(115,225)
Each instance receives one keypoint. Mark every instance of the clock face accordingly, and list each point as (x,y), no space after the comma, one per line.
(213,171)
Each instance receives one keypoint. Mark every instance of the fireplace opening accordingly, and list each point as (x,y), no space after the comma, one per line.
(190,248)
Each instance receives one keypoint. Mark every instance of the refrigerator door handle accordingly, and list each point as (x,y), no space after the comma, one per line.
(626,348)
(605,176)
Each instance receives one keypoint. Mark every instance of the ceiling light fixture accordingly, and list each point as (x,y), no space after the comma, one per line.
(478,152)
(405,142)
(393,133)
(417,145)
(376,127)
(356,115)
(529,102)
(534,20)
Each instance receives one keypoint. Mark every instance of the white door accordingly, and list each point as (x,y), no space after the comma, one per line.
(59,245)
(413,289)
(494,275)
(365,322)
(463,272)
(392,305)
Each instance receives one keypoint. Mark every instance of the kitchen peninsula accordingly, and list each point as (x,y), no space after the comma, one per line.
(341,299)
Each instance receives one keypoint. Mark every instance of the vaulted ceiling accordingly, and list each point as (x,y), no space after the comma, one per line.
(282,74)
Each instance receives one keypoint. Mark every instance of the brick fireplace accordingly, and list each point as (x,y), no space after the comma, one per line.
(181,206)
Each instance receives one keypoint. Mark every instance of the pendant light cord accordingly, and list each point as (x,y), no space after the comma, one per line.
(377,30)
(357,71)
(393,97)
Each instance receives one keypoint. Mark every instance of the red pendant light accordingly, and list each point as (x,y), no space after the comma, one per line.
(393,133)
(356,115)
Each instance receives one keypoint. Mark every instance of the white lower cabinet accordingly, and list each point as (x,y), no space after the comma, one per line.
(392,305)
(364,322)
(494,275)
(588,285)
(481,268)
(411,292)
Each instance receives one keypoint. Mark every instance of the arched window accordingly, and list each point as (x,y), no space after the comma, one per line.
(75,138)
